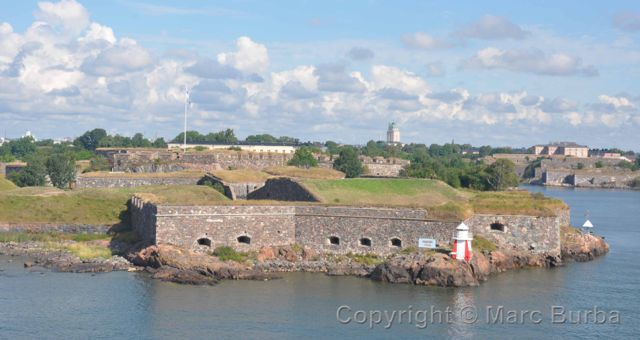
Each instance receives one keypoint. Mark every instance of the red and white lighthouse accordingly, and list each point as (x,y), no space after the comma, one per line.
(462,244)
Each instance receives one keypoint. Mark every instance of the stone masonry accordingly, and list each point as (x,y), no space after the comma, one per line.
(328,229)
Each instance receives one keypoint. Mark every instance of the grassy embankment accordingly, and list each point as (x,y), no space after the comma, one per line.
(84,206)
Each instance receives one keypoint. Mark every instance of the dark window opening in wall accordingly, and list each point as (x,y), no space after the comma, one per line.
(396,242)
(244,239)
(334,240)
(497,226)
(204,242)
(365,242)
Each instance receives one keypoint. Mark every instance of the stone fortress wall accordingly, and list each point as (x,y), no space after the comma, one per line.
(127,182)
(327,229)
(161,160)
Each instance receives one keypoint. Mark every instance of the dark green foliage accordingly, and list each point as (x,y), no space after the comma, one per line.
(580,166)
(90,140)
(636,183)
(227,137)
(332,147)
(159,143)
(530,170)
(304,158)
(61,168)
(502,175)
(348,162)
(19,148)
(34,174)
(229,254)
(99,163)
(599,164)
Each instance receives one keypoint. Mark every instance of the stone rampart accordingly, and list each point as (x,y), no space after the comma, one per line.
(531,233)
(330,229)
(113,181)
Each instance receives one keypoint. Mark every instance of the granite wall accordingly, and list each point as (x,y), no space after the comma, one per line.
(366,230)
(533,233)
(225,226)
(144,219)
(128,182)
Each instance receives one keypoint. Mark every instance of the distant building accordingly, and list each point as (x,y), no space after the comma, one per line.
(563,149)
(3,140)
(393,134)
(260,148)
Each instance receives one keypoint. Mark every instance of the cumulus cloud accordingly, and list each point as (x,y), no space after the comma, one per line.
(627,21)
(492,27)
(424,41)
(360,53)
(212,69)
(58,71)
(250,57)
(126,56)
(334,78)
(559,104)
(68,15)
(529,61)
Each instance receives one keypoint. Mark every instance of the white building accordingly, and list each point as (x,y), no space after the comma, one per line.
(393,134)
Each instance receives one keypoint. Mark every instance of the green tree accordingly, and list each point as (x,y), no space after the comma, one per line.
(599,164)
(501,175)
(99,163)
(348,162)
(303,158)
(90,140)
(332,147)
(159,143)
(261,139)
(20,148)
(34,174)
(138,141)
(61,169)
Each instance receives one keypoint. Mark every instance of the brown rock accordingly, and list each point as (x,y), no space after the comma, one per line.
(266,253)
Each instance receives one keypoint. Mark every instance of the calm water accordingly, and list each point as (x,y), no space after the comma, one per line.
(42,304)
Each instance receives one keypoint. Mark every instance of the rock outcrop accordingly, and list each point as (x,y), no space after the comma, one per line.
(582,247)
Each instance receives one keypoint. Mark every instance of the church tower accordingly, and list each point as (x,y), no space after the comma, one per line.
(393,134)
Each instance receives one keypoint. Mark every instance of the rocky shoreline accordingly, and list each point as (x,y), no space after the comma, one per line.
(173,264)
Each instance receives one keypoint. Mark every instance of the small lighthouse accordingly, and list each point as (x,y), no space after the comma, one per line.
(586,227)
(462,243)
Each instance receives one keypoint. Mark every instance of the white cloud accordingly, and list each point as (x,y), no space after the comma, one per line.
(491,27)
(126,56)
(530,61)
(424,41)
(66,14)
(250,57)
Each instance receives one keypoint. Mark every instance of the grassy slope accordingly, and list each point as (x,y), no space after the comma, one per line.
(6,184)
(442,200)
(235,176)
(312,173)
(90,206)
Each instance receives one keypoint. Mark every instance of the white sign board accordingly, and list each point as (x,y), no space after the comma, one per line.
(427,243)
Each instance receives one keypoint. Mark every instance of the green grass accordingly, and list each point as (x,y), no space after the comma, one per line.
(366,259)
(6,185)
(516,203)
(311,173)
(82,250)
(91,206)
(229,254)
(49,237)
(482,244)
(441,200)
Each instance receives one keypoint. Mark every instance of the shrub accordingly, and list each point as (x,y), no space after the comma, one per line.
(599,164)
(636,183)
(303,158)
(366,259)
(482,244)
(349,163)
(229,254)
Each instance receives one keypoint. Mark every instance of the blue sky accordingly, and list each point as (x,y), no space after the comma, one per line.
(490,72)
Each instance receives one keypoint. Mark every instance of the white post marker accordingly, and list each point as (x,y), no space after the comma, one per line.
(186,105)
(462,244)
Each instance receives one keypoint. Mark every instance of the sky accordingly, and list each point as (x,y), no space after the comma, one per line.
(502,73)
